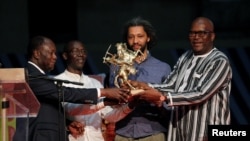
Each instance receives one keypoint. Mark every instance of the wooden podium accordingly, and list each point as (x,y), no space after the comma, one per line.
(17,101)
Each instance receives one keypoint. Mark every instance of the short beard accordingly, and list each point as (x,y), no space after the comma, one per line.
(142,49)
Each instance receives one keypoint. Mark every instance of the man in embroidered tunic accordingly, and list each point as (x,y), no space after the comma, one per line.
(197,89)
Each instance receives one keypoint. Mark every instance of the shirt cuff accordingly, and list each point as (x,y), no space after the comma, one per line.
(170,101)
(98,93)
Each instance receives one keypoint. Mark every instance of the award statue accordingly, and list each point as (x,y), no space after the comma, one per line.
(124,60)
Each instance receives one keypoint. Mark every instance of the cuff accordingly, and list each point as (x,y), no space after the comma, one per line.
(98,93)
(170,101)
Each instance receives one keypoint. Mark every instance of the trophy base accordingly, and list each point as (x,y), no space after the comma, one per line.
(136,91)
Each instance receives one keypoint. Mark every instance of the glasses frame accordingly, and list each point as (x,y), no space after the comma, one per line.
(78,52)
(199,33)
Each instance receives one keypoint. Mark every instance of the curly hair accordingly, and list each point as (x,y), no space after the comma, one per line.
(149,29)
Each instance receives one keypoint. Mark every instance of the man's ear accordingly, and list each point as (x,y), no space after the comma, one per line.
(36,54)
(213,36)
(65,56)
(148,39)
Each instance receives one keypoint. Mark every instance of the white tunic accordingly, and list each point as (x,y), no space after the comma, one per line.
(90,115)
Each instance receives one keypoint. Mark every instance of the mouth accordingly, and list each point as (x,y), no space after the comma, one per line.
(80,61)
(53,62)
(136,47)
(197,44)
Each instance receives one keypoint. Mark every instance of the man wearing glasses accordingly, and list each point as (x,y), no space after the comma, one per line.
(198,88)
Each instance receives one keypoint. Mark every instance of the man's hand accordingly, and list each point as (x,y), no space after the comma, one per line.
(133,101)
(151,95)
(110,102)
(76,128)
(119,94)
(139,85)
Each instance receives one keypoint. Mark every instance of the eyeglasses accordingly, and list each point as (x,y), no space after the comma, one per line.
(199,33)
(78,52)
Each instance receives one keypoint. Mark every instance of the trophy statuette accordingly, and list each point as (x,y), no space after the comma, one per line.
(124,60)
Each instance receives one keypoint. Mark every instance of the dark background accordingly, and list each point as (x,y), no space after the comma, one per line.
(98,23)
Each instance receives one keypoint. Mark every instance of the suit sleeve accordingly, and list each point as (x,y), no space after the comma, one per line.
(47,90)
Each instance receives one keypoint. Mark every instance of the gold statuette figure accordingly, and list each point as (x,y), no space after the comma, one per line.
(124,59)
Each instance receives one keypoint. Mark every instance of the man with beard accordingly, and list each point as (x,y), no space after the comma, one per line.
(198,89)
(147,121)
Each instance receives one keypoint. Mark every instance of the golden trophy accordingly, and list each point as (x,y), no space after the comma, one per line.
(124,60)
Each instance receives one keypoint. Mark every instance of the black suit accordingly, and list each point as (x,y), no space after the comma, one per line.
(49,123)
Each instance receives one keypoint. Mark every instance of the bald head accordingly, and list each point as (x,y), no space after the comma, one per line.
(209,26)
(201,35)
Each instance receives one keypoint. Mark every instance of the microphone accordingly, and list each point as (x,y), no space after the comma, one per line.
(53,79)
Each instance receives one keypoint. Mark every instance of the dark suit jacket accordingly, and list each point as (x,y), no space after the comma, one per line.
(49,125)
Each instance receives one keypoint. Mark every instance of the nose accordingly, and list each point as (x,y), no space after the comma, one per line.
(135,40)
(81,53)
(196,36)
(54,56)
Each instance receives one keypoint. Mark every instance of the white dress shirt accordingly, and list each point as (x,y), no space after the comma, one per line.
(90,115)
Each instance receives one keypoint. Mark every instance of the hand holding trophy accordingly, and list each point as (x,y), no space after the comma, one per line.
(124,60)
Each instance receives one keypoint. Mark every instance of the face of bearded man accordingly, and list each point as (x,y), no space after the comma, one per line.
(137,38)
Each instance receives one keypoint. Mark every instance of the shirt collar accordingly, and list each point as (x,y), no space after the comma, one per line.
(73,74)
(205,55)
(36,67)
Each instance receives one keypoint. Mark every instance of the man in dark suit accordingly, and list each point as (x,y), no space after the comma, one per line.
(49,125)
